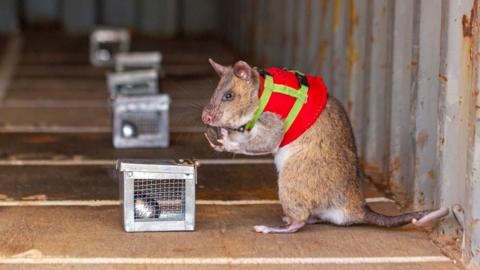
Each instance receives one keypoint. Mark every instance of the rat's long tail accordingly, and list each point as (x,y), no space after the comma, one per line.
(417,218)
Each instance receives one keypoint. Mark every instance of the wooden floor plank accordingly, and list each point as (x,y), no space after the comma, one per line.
(75,52)
(96,115)
(227,182)
(405,266)
(221,231)
(60,89)
(99,146)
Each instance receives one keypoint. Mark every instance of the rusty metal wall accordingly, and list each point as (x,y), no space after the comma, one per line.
(407,73)
(350,44)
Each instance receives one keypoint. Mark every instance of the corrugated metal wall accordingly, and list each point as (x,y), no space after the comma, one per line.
(407,72)
(380,58)
(159,17)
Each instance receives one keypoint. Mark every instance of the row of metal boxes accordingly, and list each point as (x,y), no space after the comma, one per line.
(140,113)
(155,195)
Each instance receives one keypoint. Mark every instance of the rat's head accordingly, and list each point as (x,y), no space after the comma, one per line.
(235,100)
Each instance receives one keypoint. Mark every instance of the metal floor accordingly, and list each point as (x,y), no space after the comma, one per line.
(58,196)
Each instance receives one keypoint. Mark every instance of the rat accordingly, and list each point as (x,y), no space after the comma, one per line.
(319,176)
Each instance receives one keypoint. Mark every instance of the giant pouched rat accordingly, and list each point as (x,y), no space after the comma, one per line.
(318,173)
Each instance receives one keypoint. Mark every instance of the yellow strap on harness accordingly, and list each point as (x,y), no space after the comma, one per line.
(270,87)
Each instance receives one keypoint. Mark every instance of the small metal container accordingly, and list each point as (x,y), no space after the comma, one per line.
(138,60)
(157,195)
(105,43)
(133,83)
(141,121)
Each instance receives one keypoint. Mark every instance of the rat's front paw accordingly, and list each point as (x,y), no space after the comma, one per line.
(230,146)
(217,147)
(227,143)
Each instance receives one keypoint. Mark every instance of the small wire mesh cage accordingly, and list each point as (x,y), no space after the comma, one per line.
(133,83)
(138,61)
(157,195)
(141,121)
(105,43)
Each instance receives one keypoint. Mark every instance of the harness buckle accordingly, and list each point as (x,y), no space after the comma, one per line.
(262,72)
(302,80)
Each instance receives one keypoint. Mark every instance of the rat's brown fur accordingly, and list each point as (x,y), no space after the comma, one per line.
(319,175)
(244,104)
(327,152)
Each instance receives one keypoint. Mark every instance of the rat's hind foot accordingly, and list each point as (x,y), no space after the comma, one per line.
(291,228)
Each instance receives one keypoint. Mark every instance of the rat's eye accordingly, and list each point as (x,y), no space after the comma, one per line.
(228,96)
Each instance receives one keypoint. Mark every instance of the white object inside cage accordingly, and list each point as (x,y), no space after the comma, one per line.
(157,195)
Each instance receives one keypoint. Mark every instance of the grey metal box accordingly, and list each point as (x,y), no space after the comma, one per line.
(141,121)
(138,60)
(105,43)
(157,195)
(133,83)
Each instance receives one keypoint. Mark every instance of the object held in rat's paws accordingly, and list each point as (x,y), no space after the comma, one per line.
(221,139)
(213,134)
(214,137)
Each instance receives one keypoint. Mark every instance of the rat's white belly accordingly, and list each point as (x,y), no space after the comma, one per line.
(333,215)
(282,156)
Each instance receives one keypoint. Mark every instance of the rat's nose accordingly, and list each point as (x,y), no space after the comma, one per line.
(207,118)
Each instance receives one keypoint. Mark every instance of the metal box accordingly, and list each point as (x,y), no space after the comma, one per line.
(138,60)
(141,121)
(133,83)
(105,43)
(157,195)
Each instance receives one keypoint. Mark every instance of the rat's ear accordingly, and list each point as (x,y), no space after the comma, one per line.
(242,70)
(218,68)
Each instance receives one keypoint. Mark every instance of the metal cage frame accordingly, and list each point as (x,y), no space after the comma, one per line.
(130,170)
(128,79)
(104,35)
(127,61)
(143,104)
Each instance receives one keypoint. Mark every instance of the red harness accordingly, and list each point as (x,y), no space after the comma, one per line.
(282,103)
